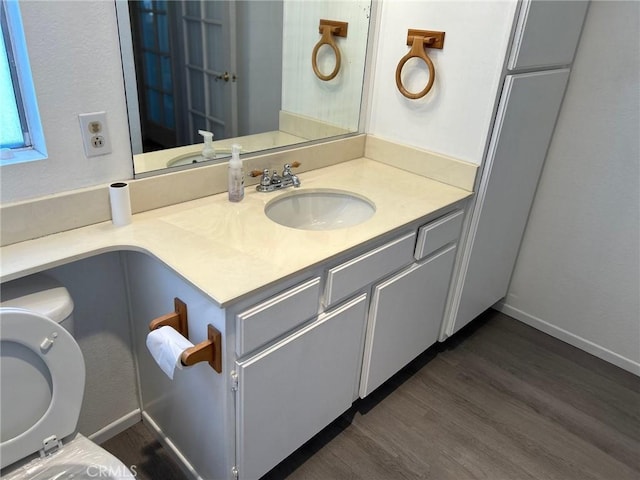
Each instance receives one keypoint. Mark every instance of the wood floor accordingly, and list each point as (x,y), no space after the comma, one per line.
(137,447)
(499,401)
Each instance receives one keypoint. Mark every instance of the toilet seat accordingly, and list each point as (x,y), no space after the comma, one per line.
(80,459)
(46,340)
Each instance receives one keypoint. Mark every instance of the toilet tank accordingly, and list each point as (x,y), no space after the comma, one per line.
(42,294)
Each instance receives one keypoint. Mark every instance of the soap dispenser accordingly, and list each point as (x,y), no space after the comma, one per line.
(236,175)
(208,152)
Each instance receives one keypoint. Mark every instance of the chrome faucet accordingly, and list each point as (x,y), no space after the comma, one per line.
(270,183)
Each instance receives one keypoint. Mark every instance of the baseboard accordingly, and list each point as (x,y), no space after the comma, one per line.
(184,464)
(570,338)
(114,428)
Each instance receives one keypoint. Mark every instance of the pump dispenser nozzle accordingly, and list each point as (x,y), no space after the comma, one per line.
(208,151)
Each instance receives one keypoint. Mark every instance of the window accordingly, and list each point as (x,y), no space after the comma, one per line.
(21,137)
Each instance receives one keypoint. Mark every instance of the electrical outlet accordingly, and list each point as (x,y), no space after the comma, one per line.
(95,133)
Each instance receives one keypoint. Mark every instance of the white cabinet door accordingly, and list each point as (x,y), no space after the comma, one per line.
(293,389)
(525,121)
(547,33)
(405,317)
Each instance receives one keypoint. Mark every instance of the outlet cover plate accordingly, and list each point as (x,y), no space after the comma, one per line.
(95,133)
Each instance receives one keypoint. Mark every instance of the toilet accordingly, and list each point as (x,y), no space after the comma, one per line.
(43,375)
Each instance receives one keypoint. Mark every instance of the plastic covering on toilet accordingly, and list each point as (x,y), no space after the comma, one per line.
(80,459)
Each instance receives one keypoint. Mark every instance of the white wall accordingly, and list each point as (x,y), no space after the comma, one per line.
(578,271)
(101,328)
(75,61)
(454,117)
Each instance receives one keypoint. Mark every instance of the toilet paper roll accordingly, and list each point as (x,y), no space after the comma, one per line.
(166,346)
(120,203)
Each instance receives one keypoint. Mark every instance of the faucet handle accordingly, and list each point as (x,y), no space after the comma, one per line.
(265,181)
(290,176)
(286,171)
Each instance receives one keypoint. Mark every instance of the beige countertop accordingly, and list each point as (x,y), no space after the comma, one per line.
(228,250)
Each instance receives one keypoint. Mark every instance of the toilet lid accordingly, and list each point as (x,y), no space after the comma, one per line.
(42,386)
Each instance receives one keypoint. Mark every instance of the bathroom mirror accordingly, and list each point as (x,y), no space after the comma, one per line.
(240,69)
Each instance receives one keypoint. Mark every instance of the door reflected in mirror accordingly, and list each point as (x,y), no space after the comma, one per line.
(241,70)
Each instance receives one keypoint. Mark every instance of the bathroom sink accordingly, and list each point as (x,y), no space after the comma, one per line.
(319,209)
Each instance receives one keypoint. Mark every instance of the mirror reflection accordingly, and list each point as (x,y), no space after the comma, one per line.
(239,72)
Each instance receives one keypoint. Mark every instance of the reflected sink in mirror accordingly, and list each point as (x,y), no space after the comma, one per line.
(320,209)
(189,158)
(191,154)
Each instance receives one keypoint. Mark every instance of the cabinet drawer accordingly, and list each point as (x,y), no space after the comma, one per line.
(270,319)
(438,233)
(351,276)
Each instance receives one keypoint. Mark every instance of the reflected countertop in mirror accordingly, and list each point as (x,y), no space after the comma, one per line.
(239,69)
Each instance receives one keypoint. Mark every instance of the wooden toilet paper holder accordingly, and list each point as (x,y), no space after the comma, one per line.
(209,350)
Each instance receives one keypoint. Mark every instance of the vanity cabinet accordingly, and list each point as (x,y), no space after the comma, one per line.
(297,372)
(308,372)
(296,354)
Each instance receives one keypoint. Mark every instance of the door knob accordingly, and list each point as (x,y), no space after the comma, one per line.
(224,76)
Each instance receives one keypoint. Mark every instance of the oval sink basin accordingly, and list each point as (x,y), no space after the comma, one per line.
(321,209)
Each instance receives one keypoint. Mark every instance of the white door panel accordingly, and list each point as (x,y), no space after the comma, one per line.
(405,318)
(526,118)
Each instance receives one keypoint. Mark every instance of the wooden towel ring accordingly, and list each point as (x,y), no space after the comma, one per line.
(419,40)
(329,28)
